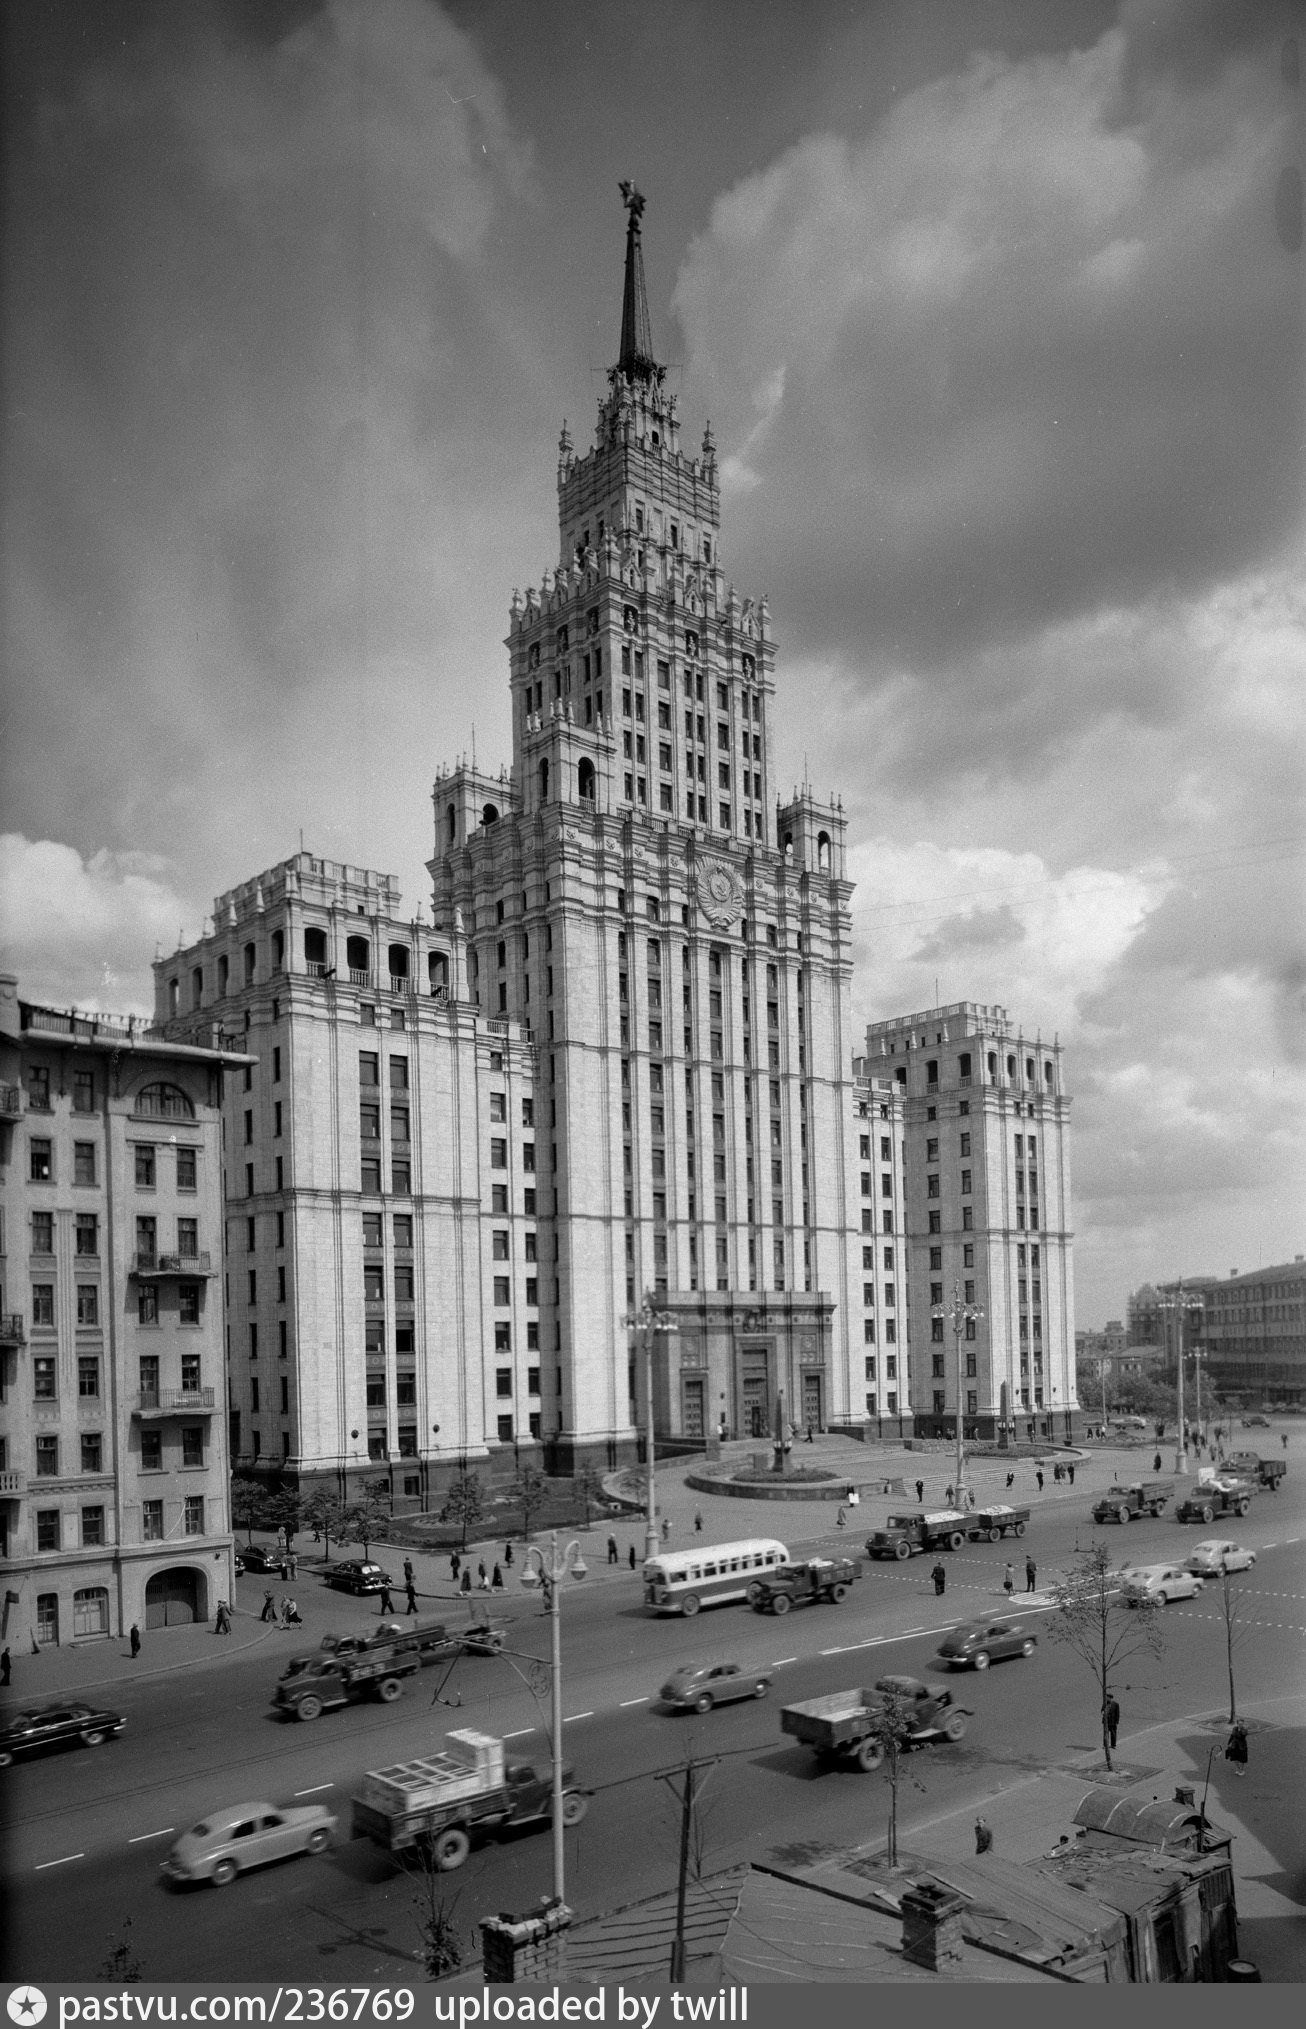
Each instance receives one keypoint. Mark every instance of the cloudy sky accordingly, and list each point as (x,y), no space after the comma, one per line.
(995,307)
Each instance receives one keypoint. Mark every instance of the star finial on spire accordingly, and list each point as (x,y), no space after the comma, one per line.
(635,359)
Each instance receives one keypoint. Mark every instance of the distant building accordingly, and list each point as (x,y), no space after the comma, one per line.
(382,1240)
(986,1133)
(114,1504)
(1255,1335)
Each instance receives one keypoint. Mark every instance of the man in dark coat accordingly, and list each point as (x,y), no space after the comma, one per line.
(410,1594)
(940,1577)
(269,1605)
(983,1836)
(920,1491)
(135,1639)
(1235,1751)
(1031,1575)
(387,1604)
(1112,1720)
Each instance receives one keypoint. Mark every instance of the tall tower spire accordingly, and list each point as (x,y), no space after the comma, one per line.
(636,359)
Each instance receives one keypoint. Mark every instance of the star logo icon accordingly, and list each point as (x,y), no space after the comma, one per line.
(27,2005)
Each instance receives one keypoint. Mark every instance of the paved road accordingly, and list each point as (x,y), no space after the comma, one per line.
(87,1829)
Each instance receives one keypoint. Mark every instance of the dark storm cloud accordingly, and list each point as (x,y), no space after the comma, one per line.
(978,930)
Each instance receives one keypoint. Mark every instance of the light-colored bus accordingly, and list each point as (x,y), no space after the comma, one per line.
(681,1581)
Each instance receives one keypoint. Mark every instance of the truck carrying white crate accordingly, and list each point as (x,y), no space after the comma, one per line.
(471,1764)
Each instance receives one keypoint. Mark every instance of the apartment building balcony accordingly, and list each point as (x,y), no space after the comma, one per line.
(158,1402)
(12,1483)
(11,1100)
(153,1267)
(13,1332)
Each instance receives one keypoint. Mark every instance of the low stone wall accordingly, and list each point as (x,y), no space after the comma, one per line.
(789,1490)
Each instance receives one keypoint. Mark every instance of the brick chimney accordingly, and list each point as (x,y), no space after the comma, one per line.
(931,1926)
(517,1948)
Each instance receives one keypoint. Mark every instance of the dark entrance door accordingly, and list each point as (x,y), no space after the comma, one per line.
(693,1408)
(812,1401)
(755,1365)
(174,1598)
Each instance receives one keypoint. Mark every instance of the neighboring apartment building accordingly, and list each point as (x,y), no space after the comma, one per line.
(1254,1337)
(114,1501)
(382,1241)
(986,1129)
(877,1109)
(680,945)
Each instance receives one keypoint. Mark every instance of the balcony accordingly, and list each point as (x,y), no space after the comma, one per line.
(358,977)
(11,1099)
(13,1332)
(147,1266)
(173,1402)
(12,1483)
(401,983)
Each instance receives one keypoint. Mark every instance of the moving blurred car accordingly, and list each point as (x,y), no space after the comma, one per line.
(1210,1557)
(1161,1582)
(357,1575)
(1255,1422)
(697,1687)
(982,1642)
(228,1842)
(56,1726)
(259,1557)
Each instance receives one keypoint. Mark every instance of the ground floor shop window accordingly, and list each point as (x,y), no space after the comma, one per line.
(91,1611)
(47,1616)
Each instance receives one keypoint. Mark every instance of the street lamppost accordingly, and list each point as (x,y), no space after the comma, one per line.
(648,1321)
(1177,1305)
(959,1313)
(548,1568)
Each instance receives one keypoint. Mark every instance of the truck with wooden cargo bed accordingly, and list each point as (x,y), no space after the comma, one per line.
(440,1801)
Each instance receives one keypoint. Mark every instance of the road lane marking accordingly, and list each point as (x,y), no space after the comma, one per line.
(837,1652)
(520,1734)
(316,1787)
(626,1702)
(42,1865)
(141,1837)
(780,1661)
(576,1715)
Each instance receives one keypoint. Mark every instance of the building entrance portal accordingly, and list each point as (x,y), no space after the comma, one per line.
(756,1393)
(812,1418)
(175,1598)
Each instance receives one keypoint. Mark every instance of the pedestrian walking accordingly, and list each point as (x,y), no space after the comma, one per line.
(410,1597)
(1235,1750)
(496,1581)
(970,1500)
(614,1555)
(1056,1474)
(940,1577)
(1011,1481)
(1031,1575)
(666,1528)
(1283,1439)
(455,1566)
(947,1496)
(136,1637)
(294,1617)
(285,1568)
(983,1836)
(467,1579)
(5,1668)
(221,1619)
(294,1565)
(1112,1716)
(507,1555)
(632,1556)
(408,1570)
(1071,1470)
(1009,1581)
(269,1605)
(698,1521)
(387,1603)
(920,1492)
(841,1520)
(482,1577)
(1038,1474)
(283,1613)
(1156,1463)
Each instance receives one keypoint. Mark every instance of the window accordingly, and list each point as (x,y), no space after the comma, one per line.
(47,1538)
(47,1457)
(88,1376)
(188,1303)
(152,1518)
(92,1451)
(965,1147)
(83,1162)
(92,1528)
(41,1159)
(370,1176)
(43,1232)
(401,1178)
(88,1303)
(144,1167)
(83,1091)
(505,1429)
(192,1444)
(43,1309)
(188,1238)
(147,1304)
(503,1382)
(966,1183)
(498,1154)
(187,1169)
(193,1515)
(502,1291)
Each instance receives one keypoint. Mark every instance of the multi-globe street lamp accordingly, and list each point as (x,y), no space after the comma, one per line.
(959,1313)
(1177,1304)
(548,1568)
(650,1321)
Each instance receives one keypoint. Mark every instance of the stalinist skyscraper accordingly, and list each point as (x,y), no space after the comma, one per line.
(674,939)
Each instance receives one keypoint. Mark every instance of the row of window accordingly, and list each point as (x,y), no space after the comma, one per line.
(88,1305)
(38,1090)
(45,1377)
(41,1164)
(50,1530)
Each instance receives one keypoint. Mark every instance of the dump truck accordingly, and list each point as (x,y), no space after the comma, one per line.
(840,1726)
(988,1524)
(311,1685)
(439,1801)
(905,1535)
(816,1578)
(1143,1497)
(1264,1472)
(1212,1498)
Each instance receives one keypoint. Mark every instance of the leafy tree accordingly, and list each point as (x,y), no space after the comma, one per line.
(286,1511)
(464,1502)
(320,1510)
(249,1505)
(1093,1619)
(530,1490)
(367,1518)
(890,1730)
(587,1485)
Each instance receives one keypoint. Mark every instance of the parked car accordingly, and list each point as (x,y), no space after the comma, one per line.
(228,1842)
(357,1575)
(259,1557)
(1161,1582)
(1210,1557)
(698,1687)
(982,1642)
(1255,1422)
(56,1726)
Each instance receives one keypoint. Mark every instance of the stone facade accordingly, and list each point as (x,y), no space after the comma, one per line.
(114,1504)
(986,1126)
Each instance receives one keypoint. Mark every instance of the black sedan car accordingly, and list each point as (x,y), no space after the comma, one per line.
(982,1642)
(259,1557)
(56,1726)
(357,1575)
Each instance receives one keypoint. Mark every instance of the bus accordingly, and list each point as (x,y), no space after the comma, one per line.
(681,1581)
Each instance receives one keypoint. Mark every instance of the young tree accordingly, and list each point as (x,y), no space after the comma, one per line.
(441,1949)
(286,1511)
(530,1490)
(464,1503)
(1233,1634)
(249,1505)
(1098,1624)
(321,1510)
(884,1747)
(588,1487)
(367,1518)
